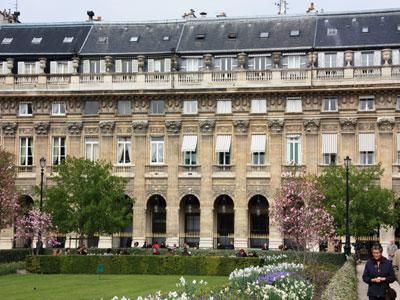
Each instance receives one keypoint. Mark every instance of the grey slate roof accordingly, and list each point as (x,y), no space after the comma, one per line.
(52,39)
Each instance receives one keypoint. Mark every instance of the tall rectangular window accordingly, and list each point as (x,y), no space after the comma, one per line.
(367,104)
(58,150)
(225,63)
(92,149)
(157,107)
(25,109)
(294,61)
(366,146)
(124,107)
(293,149)
(190,107)
(258,143)
(330,60)
(258,106)
(58,108)
(398,148)
(189,149)
(367,59)
(191,64)
(293,105)
(329,105)
(30,68)
(25,151)
(260,63)
(92,107)
(223,149)
(224,107)
(329,148)
(398,103)
(124,150)
(157,150)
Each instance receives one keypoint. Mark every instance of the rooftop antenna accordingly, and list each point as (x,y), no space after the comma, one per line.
(282,6)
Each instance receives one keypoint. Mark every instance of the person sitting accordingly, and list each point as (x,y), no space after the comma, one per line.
(162,245)
(241,253)
(264,246)
(169,252)
(253,254)
(186,252)
(145,245)
(108,252)
(136,245)
(67,251)
(155,251)
(57,252)
(155,245)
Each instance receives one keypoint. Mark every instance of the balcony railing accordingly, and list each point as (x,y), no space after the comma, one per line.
(59,79)
(27,79)
(156,169)
(26,169)
(258,75)
(294,74)
(189,169)
(257,168)
(395,71)
(330,73)
(122,169)
(157,77)
(123,78)
(367,72)
(224,76)
(190,78)
(224,168)
(91,79)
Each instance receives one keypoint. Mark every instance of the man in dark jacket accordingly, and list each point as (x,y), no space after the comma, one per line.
(378,273)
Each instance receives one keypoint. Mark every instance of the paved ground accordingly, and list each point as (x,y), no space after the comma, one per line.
(363,287)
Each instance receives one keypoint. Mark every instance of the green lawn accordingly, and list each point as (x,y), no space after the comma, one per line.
(74,287)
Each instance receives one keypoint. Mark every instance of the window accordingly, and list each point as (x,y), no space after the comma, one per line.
(36,40)
(294,32)
(58,108)
(190,107)
(330,60)
(60,67)
(365,29)
(200,36)
(68,39)
(157,150)
(264,35)
(124,107)
(224,106)
(398,148)
(398,103)
(157,107)
(223,149)
(29,68)
(58,150)
(92,149)
(293,150)
(331,32)
(232,36)
(294,61)
(260,63)
(367,59)
(366,146)
(398,27)
(25,109)
(6,41)
(192,64)
(367,104)
(329,148)
(293,105)
(329,105)
(225,63)
(258,106)
(124,150)
(92,107)
(134,39)
(95,67)
(258,143)
(189,149)
(102,40)
(25,151)
(166,38)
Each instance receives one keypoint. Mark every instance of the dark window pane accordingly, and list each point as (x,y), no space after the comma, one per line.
(92,107)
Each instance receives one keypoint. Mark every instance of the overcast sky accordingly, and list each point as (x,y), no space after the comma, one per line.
(132,10)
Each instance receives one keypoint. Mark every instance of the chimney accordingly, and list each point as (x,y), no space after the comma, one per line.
(282,6)
(90,14)
(189,15)
(311,9)
(203,14)
(221,15)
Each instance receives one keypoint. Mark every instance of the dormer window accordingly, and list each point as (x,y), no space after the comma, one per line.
(6,41)
(294,32)
(134,39)
(102,40)
(232,36)
(200,36)
(68,39)
(36,40)
(365,29)
(264,35)
(331,32)
(398,27)
(165,38)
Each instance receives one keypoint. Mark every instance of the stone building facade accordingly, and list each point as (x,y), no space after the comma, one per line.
(202,117)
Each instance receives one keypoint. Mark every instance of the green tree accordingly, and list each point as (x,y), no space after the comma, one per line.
(371,206)
(85,198)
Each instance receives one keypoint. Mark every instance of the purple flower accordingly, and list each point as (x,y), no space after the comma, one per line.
(271,277)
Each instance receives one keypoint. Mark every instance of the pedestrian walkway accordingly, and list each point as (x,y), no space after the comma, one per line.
(363,287)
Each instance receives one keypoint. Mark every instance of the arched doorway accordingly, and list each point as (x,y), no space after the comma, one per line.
(156,221)
(258,221)
(189,215)
(26,203)
(224,218)
(124,238)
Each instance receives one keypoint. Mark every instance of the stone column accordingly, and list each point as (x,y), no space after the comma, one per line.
(42,146)
(311,150)
(74,139)
(107,149)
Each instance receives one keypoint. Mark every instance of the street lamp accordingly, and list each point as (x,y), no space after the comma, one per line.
(42,166)
(347,247)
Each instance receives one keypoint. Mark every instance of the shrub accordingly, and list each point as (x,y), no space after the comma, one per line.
(12,255)
(160,265)
(343,284)
(11,268)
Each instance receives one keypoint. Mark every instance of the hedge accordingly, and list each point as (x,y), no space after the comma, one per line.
(12,255)
(343,284)
(156,265)
(11,268)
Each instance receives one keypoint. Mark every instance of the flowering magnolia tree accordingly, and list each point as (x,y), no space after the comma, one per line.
(298,211)
(8,197)
(35,225)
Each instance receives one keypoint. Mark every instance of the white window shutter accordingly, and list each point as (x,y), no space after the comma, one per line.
(183,65)
(300,161)
(167,65)
(395,57)
(284,62)
(339,59)
(377,58)
(102,66)
(357,59)
(234,64)
(321,59)
(150,65)
(135,66)
(287,151)
(217,64)
(37,67)
(118,66)
(21,67)
(303,62)
(53,67)
(4,68)
(86,66)
(70,68)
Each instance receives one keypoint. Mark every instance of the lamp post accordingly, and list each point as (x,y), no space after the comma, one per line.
(42,166)
(347,247)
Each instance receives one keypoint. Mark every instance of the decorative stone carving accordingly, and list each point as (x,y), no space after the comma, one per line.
(348,57)
(242,58)
(348,124)
(188,190)
(141,61)
(386,123)
(207,126)
(207,58)
(241,126)
(10,65)
(41,128)
(276,59)
(311,125)
(386,55)
(189,129)
(175,63)
(75,65)
(173,127)
(140,126)
(366,126)
(223,190)
(152,190)
(312,59)
(109,63)
(42,64)
(329,127)
(106,127)
(257,190)
(276,125)
(74,128)
(9,129)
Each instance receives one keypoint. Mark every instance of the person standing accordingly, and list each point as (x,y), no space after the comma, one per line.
(391,249)
(378,274)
